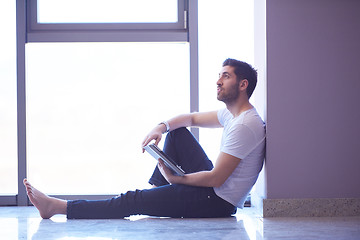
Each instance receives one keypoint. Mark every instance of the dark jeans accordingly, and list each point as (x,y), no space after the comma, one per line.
(167,200)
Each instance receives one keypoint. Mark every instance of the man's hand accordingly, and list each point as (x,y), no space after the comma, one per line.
(155,134)
(224,166)
(167,173)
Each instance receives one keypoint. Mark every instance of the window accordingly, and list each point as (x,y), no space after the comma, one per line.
(89,106)
(106,14)
(80,83)
(60,59)
(226,30)
(107,11)
(8,127)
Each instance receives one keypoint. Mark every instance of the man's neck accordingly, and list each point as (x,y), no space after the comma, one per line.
(238,107)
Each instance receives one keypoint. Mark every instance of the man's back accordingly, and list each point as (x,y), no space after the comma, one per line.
(244,138)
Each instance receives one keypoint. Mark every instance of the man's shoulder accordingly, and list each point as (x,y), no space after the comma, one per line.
(252,116)
(249,122)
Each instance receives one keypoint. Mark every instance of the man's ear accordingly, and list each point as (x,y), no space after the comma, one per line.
(243,84)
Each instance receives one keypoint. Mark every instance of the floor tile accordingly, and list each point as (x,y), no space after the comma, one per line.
(25,223)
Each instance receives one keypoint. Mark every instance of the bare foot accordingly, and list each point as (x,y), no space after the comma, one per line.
(47,206)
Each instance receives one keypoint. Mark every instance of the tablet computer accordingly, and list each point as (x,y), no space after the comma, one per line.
(157,153)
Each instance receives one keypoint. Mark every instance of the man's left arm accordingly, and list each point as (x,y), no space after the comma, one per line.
(224,167)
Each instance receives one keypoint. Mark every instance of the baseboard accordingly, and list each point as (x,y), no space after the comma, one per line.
(320,207)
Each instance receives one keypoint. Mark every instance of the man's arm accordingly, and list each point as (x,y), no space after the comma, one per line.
(204,119)
(225,165)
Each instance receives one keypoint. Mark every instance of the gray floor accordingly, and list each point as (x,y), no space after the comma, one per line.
(25,223)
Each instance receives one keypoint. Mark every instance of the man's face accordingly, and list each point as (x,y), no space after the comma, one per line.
(227,85)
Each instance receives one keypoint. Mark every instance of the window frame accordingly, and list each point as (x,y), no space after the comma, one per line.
(28,30)
(35,25)
(105,32)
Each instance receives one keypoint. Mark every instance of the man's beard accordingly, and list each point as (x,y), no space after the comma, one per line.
(230,96)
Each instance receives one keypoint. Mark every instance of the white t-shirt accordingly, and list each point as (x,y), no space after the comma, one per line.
(243,137)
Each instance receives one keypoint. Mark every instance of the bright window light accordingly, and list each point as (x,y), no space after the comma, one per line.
(89,106)
(8,127)
(107,11)
(226,30)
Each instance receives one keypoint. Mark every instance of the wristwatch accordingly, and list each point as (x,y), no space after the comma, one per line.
(166,125)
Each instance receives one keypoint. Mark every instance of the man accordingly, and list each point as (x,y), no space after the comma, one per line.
(205,190)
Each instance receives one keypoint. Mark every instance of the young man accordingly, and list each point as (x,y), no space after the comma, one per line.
(205,190)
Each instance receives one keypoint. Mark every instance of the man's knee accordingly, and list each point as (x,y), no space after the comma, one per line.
(183,131)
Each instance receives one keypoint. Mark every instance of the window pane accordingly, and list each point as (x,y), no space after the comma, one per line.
(107,11)
(89,106)
(8,129)
(219,40)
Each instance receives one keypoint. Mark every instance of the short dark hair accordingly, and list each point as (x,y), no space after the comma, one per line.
(243,70)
